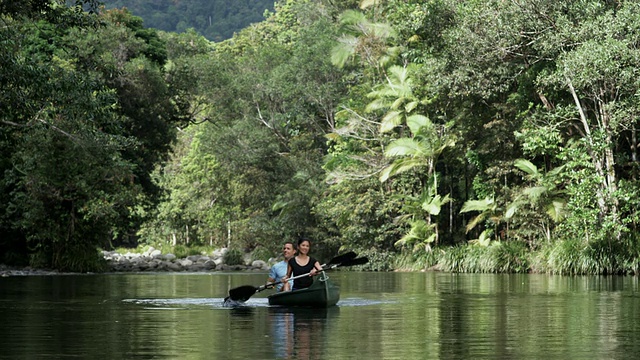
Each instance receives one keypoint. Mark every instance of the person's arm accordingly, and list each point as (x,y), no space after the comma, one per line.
(285,279)
(272,275)
(289,270)
(316,269)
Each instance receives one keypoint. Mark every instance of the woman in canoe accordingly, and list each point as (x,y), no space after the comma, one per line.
(302,264)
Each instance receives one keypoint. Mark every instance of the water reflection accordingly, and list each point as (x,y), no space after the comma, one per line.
(298,333)
(380,316)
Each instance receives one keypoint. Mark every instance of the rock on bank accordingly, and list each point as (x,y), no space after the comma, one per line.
(152,260)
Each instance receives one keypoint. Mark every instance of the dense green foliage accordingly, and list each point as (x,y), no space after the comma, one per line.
(87,114)
(214,19)
(468,136)
(434,124)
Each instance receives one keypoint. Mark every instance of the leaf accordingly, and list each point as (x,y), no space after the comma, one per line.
(512,209)
(345,48)
(535,192)
(381,30)
(376,104)
(432,208)
(397,103)
(410,106)
(366,3)
(416,123)
(483,240)
(386,173)
(431,238)
(526,166)
(399,166)
(351,18)
(390,121)
(556,210)
(474,222)
(403,147)
(477,205)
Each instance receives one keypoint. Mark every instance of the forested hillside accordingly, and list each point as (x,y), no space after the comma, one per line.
(484,136)
(214,19)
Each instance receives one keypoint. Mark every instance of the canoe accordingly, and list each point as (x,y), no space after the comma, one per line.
(321,294)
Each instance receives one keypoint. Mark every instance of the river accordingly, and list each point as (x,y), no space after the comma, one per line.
(380,316)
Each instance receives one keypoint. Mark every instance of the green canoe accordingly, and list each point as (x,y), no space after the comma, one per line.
(321,294)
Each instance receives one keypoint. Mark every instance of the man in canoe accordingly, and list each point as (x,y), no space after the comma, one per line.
(279,270)
(302,264)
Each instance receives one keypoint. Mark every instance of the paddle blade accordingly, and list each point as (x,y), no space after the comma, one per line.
(342,258)
(357,261)
(242,293)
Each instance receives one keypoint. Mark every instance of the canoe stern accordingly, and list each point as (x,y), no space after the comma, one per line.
(321,294)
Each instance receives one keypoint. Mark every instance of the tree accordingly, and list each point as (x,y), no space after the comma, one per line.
(76,150)
(66,182)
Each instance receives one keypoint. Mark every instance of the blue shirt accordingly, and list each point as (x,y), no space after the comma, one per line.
(277,272)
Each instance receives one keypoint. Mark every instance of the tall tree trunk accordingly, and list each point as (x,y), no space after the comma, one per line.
(603,161)
(596,159)
(634,152)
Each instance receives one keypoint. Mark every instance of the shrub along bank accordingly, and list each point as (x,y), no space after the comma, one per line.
(560,258)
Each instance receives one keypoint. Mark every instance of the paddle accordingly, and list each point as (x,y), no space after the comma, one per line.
(357,261)
(243,293)
(349,262)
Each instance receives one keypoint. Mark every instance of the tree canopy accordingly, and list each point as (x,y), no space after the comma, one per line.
(383,126)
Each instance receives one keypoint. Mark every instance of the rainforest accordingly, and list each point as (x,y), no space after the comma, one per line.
(475,136)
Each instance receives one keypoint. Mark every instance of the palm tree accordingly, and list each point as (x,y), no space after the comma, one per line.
(396,97)
(419,211)
(488,211)
(421,150)
(363,39)
(542,195)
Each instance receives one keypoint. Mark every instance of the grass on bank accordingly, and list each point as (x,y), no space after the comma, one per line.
(568,257)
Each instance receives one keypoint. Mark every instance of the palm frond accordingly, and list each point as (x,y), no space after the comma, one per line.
(557,209)
(526,166)
(344,50)
(417,123)
(534,193)
(475,221)
(399,166)
(403,147)
(410,106)
(483,240)
(390,121)
(352,19)
(478,205)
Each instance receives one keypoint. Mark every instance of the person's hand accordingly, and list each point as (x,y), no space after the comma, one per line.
(313,272)
(284,279)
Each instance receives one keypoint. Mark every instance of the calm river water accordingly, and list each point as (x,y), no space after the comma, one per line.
(379,316)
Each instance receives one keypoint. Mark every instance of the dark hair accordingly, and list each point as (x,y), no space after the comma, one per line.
(292,244)
(303,240)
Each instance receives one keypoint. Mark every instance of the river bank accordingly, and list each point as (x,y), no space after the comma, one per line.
(153,260)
